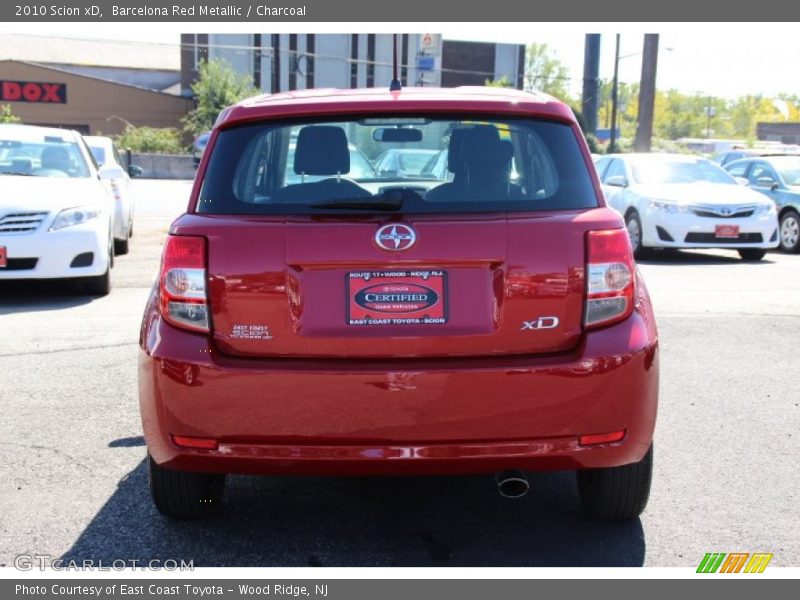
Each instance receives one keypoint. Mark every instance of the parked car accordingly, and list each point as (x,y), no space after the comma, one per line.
(436,167)
(403,162)
(777,177)
(199,146)
(56,216)
(355,326)
(680,201)
(105,153)
(723,158)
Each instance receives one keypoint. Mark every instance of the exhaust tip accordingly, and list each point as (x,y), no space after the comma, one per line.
(512,484)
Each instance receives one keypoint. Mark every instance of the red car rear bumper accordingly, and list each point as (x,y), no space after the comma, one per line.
(426,416)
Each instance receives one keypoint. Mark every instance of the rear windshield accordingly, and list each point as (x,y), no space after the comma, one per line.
(388,164)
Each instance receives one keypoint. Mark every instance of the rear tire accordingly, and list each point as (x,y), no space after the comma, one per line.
(183,495)
(752,254)
(617,492)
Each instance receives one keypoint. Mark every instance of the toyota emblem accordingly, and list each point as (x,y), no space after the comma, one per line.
(395,236)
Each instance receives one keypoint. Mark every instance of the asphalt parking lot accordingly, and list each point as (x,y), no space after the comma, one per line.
(73,479)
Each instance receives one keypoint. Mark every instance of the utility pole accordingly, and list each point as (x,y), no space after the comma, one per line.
(591,71)
(612,143)
(647,94)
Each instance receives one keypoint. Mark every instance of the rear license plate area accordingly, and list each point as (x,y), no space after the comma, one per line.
(396,298)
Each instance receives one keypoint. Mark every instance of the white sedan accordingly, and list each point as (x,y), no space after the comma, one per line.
(56,216)
(106,155)
(679,201)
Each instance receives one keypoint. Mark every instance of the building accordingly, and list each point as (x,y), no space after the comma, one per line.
(151,66)
(283,62)
(785,133)
(95,87)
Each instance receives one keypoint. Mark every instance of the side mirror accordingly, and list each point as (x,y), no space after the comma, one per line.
(109,172)
(617,181)
(741,180)
(766,182)
(135,171)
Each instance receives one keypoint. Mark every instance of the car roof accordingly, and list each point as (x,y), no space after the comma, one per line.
(34,133)
(467,99)
(99,140)
(654,156)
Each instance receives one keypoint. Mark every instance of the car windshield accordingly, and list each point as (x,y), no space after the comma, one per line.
(41,156)
(333,166)
(789,168)
(652,170)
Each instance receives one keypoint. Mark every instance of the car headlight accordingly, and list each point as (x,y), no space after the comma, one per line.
(668,207)
(74,216)
(768,207)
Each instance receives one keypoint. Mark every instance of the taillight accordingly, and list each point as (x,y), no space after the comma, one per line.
(609,277)
(184,301)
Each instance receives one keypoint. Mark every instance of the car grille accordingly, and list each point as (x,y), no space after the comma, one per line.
(20,264)
(21,222)
(722,211)
(710,238)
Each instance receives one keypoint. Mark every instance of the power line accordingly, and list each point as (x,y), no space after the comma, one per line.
(269,52)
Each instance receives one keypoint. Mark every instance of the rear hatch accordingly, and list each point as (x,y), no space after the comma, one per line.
(308,257)
(322,287)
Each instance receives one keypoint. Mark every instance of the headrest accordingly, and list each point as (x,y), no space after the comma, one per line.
(455,150)
(483,147)
(321,150)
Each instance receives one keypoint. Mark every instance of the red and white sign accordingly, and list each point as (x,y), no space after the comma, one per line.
(726,231)
(33,91)
(397,298)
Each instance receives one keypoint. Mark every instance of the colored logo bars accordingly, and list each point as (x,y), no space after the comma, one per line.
(734,562)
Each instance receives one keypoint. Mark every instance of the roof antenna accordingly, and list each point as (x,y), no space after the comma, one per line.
(395,85)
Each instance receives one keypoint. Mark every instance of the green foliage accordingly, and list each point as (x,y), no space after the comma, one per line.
(157,140)
(678,115)
(503,82)
(6,116)
(544,72)
(217,87)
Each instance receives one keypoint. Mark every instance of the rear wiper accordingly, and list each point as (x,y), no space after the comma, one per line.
(358,204)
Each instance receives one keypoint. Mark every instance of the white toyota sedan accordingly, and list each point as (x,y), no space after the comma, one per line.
(680,201)
(56,215)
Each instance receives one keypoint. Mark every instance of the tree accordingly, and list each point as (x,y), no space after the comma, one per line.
(157,140)
(503,82)
(545,73)
(217,87)
(6,116)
